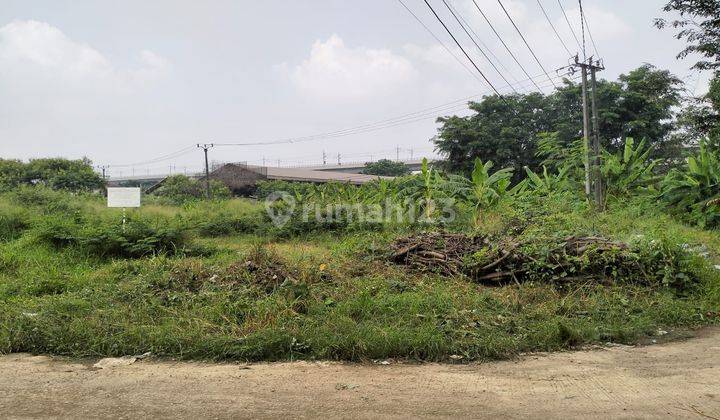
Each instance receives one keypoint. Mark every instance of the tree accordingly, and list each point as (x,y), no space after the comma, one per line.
(180,188)
(699,25)
(11,173)
(57,173)
(386,167)
(502,130)
(641,104)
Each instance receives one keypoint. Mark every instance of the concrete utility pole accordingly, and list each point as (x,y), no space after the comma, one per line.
(397,154)
(205,148)
(586,129)
(597,176)
(593,182)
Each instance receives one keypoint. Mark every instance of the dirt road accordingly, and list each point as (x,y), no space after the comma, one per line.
(679,379)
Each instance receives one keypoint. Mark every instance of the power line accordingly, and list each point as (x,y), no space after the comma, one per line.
(162,158)
(487,48)
(572,31)
(461,48)
(525,41)
(374,126)
(472,73)
(505,45)
(582,27)
(478,46)
(403,119)
(553,28)
(592,40)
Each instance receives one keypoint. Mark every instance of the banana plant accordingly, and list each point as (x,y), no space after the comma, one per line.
(544,184)
(428,190)
(484,189)
(629,170)
(382,190)
(694,190)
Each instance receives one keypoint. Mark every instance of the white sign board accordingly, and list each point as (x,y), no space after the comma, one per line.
(123,197)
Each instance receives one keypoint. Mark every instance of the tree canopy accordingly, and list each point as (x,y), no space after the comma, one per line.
(699,26)
(640,104)
(56,173)
(386,167)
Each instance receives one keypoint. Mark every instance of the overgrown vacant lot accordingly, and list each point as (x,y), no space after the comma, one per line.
(218,281)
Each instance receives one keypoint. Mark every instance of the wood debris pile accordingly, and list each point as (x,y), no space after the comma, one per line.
(506,260)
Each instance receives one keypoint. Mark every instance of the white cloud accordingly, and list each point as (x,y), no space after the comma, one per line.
(58,90)
(36,55)
(336,71)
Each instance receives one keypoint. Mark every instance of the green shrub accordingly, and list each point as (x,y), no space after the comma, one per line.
(13,222)
(693,191)
(103,238)
(181,189)
(222,224)
(55,173)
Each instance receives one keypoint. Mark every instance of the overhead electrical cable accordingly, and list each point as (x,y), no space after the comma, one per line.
(572,31)
(458,59)
(452,12)
(547,17)
(587,25)
(505,45)
(524,40)
(371,127)
(582,26)
(461,47)
(161,158)
(487,48)
(408,118)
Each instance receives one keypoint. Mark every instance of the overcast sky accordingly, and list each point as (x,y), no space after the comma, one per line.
(130,81)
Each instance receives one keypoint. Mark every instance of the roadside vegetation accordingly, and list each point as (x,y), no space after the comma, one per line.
(492,252)
(219,280)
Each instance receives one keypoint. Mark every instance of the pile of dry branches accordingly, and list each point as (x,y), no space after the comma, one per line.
(493,261)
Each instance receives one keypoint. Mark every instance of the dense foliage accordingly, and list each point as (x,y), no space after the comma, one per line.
(508,131)
(180,188)
(56,173)
(699,25)
(386,167)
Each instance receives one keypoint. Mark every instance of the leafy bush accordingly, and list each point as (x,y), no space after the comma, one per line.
(103,238)
(56,173)
(180,189)
(693,191)
(13,222)
(222,224)
(545,184)
(629,170)
(386,167)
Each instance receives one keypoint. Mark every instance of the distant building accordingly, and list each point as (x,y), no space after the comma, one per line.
(241,178)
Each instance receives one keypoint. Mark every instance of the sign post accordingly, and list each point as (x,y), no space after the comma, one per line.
(123,198)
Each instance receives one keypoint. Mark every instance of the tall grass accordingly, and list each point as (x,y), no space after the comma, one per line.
(329,295)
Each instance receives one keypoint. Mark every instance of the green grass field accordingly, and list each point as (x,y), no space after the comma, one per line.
(213,281)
